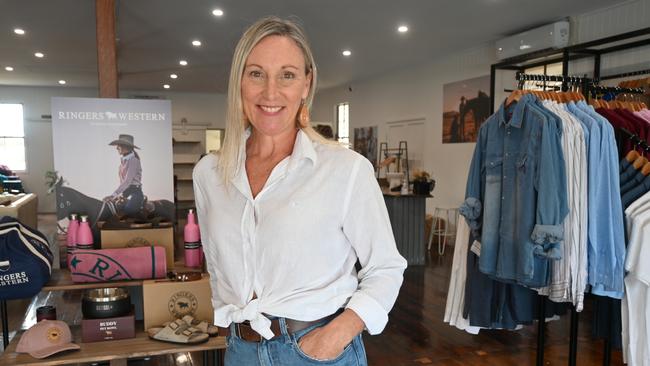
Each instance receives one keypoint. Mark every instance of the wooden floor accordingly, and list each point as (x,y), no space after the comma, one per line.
(416,333)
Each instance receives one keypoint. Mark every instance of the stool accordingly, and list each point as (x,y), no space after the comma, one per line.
(445,232)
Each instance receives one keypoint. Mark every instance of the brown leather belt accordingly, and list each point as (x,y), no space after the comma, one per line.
(246,332)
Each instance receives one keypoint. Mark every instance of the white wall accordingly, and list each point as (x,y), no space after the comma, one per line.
(414,94)
(197,108)
(417,93)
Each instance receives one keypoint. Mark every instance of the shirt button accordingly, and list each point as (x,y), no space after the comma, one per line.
(502,197)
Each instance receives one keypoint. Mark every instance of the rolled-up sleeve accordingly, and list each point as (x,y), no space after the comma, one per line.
(367,227)
(472,207)
(550,183)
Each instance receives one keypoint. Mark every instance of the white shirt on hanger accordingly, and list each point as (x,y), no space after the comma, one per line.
(569,274)
(296,243)
(456,293)
(635,305)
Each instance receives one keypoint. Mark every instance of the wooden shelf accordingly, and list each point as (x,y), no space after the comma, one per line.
(184,163)
(186,142)
(61,280)
(140,346)
(184,179)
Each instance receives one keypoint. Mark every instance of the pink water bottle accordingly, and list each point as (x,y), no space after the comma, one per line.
(192,238)
(71,240)
(84,234)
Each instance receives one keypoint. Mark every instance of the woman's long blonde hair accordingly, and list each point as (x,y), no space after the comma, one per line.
(236,122)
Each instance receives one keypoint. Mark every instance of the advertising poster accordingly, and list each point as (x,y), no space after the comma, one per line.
(113,157)
(466,105)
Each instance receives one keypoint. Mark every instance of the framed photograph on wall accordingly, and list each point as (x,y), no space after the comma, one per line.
(466,105)
(365,143)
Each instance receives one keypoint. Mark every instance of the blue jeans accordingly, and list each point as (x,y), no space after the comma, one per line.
(134,200)
(283,350)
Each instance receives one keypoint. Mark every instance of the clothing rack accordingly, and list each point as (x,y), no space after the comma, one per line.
(615,90)
(637,141)
(592,49)
(581,81)
(626,74)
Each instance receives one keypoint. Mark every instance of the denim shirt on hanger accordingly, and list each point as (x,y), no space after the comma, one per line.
(516,196)
(628,174)
(635,192)
(636,179)
(606,250)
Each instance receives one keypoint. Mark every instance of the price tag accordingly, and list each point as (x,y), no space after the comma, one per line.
(476,247)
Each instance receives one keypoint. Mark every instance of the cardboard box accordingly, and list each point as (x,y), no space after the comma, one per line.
(163,237)
(108,329)
(167,300)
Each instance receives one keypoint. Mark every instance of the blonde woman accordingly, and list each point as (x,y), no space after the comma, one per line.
(285,215)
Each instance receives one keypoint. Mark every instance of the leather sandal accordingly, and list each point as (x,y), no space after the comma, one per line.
(178,331)
(210,329)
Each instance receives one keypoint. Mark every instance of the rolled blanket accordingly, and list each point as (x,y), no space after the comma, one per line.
(102,265)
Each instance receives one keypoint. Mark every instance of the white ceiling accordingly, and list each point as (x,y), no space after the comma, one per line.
(153,35)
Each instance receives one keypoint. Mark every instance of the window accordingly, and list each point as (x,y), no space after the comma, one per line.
(12,137)
(343,122)
(549,69)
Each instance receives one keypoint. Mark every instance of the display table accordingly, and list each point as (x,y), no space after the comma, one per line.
(113,351)
(23,207)
(407,218)
(117,352)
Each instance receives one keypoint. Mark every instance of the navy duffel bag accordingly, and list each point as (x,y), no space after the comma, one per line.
(25,260)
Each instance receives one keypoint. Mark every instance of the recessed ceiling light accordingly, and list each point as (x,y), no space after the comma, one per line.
(346,53)
(9,68)
(39,54)
(19,31)
(402,29)
(173,76)
(182,62)
(196,43)
(500,48)
(217,12)
(166,86)
(62,82)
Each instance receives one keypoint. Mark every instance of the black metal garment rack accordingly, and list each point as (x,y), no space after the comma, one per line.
(594,49)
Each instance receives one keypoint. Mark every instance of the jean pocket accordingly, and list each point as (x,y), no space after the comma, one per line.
(295,343)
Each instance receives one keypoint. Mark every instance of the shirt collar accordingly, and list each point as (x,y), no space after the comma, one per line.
(517,111)
(303,148)
(127,156)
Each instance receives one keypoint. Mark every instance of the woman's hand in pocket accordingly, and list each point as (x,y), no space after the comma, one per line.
(329,341)
(321,344)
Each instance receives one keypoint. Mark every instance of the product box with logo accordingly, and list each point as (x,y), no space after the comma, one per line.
(163,237)
(167,300)
(108,329)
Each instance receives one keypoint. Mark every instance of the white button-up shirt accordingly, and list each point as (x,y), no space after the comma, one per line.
(296,243)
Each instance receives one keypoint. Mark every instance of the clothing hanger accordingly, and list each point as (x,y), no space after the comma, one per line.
(514,96)
(631,156)
(640,162)
(645,170)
